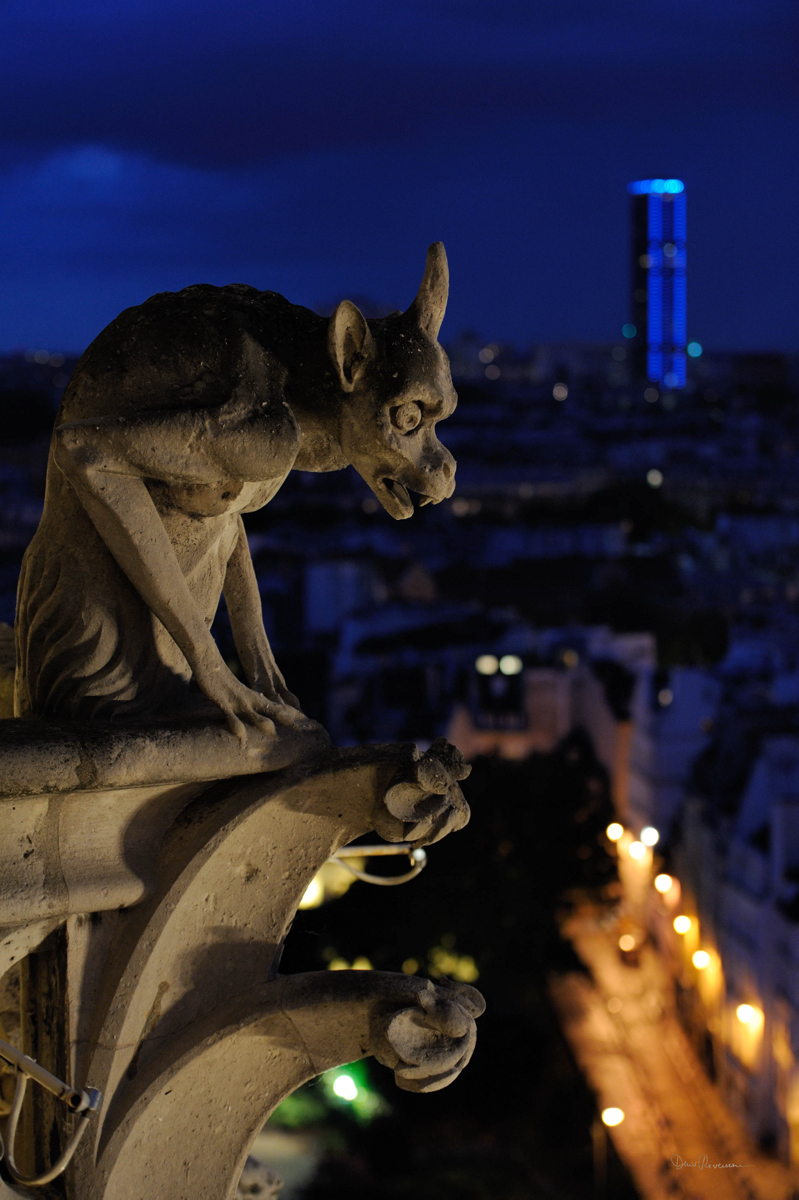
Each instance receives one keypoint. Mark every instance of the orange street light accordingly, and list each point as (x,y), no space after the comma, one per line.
(750,1014)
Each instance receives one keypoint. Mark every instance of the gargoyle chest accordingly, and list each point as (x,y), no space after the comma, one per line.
(200,501)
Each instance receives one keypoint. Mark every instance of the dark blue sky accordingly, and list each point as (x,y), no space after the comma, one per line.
(317,148)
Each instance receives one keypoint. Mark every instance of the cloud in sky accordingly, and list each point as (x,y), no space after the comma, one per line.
(316,149)
(210,82)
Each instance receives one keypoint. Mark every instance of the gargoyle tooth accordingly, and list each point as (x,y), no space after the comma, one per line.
(399,492)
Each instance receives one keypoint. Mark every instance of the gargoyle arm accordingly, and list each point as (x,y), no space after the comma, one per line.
(246,619)
(107,461)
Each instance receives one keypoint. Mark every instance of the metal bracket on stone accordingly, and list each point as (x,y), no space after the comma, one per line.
(83,1103)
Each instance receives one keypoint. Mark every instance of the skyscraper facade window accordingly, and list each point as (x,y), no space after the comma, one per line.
(657,303)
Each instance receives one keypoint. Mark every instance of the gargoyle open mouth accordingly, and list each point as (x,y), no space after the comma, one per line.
(396,498)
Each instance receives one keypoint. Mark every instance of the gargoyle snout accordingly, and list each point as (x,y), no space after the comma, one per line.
(441,474)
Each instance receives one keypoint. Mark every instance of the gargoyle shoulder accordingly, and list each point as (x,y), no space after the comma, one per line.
(176,350)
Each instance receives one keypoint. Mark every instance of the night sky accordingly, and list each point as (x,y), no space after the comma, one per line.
(316,148)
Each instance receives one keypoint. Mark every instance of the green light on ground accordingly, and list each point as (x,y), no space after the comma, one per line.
(348,1088)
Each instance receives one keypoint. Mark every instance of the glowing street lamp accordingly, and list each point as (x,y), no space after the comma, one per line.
(612,1116)
(701,959)
(663,884)
(650,836)
(749,1014)
(682,923)
(637,850)
(626,942)
(614,831)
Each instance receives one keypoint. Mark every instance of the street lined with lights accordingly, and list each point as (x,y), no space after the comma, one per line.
(627,1037)
(649,895)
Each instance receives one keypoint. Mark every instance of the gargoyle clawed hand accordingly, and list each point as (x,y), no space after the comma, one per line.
(423,802)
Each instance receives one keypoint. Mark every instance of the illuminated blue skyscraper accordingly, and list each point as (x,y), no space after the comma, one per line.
(658,317)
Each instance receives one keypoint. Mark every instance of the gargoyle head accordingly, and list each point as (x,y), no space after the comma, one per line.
(398,386)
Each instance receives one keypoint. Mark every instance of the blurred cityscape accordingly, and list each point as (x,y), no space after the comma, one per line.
(605,618)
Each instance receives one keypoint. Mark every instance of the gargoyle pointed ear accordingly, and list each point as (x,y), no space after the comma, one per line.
(350,343)
(431,301)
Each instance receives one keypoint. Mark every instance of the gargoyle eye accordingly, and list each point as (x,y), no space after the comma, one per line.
(406,417)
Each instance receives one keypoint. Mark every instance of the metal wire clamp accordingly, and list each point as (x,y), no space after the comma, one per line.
(85,1103)
(416,856)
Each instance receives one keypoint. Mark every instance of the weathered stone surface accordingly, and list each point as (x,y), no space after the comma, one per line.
(262,1046)
(161,819)
(94,851)
(193,889)
(190,969)
(54,757)
(184,413)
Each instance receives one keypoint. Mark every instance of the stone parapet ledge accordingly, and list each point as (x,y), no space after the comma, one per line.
(95,847)
(175,900)
(41,757)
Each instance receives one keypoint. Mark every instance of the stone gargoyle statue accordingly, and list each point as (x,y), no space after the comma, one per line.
(161,820)
(186,412)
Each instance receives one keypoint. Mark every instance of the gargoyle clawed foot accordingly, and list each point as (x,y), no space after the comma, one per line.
(423,802)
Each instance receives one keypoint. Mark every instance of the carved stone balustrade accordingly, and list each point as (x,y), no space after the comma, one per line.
(153,893)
